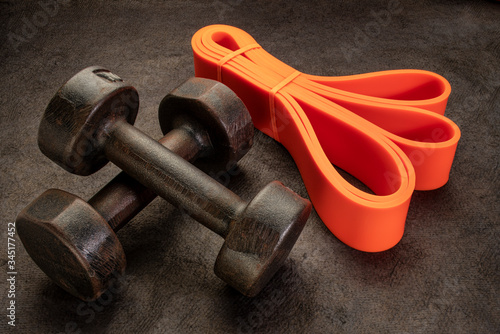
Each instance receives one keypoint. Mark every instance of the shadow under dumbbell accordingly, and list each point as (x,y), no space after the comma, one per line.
(68,314)
(284,298)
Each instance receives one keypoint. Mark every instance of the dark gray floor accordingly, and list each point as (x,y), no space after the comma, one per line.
(443,277)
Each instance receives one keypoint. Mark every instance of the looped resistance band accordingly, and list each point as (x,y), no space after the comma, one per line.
(385,128)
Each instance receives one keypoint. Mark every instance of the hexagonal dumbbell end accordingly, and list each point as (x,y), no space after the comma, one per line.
(55,230)
(73,128)
(220,113)
(260,240)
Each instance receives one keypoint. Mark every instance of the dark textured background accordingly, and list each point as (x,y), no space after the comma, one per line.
(443,277)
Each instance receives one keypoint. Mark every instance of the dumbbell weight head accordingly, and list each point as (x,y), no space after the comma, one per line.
(71,243)
(71,132)
(218,110)
(260,241)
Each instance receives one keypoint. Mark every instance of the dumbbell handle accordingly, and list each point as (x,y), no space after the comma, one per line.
(172,177)
(123,197)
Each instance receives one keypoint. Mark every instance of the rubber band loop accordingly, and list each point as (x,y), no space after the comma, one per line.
(386,128)
(272,95)
(231,55)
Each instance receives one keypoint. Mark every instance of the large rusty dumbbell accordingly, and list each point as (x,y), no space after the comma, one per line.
(89,121)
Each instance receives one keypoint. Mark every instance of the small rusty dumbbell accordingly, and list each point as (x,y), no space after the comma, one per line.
(87,122)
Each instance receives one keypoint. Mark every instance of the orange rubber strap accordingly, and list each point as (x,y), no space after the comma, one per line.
(385,128)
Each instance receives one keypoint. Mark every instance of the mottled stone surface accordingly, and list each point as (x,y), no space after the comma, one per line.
(443,277)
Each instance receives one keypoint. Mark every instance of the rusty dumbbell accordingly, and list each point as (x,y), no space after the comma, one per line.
(89,121)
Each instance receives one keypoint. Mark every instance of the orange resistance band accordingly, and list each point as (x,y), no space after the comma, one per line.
(385,128)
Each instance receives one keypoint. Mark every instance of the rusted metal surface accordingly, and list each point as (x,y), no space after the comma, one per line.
(124,197)
(92,115)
